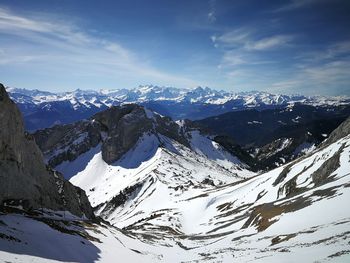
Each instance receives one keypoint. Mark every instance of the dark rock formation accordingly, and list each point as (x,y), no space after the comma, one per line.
(125,125)
(69,141)
(117,130)
(24,177)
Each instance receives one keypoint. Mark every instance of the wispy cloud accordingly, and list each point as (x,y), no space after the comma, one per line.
(269,42)
(53,43)
(328,70)
(234,38)
(11,23)
(234,58)
(296,4)
(336,50)
(255,57)
(244,50)
(246,39)
(330,78)
(231,58)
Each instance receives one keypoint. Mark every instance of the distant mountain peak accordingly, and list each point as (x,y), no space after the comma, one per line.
(197,103)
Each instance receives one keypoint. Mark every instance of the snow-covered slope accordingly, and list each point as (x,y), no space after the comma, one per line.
(294,213)
(130,150)
(171,181)
(49,237)
(159,173)
(296,210)
(134,131)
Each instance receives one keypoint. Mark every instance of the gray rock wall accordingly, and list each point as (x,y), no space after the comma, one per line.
(24,177)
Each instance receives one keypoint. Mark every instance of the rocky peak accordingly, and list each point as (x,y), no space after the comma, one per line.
(124,126)
(116,129)
(25,179)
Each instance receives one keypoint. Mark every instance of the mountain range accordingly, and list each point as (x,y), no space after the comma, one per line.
(165,190)
(43,109)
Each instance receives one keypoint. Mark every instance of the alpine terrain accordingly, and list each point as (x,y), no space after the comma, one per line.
(168,191)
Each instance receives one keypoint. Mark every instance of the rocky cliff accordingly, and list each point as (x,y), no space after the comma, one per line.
(25,179)
(117,130)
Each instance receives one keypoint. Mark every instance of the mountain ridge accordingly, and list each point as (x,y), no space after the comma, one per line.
(117,130)
(44,109)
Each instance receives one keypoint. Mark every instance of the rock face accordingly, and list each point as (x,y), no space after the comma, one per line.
(124,126)
(25,179)
(117,130)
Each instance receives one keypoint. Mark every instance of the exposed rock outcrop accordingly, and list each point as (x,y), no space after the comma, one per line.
(117,130)
(125,125)
(25,179)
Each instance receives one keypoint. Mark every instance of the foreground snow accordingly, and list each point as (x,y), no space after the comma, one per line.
(301,237)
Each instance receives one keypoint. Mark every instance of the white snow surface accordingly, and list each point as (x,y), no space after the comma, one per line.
(172,216)
(162,166)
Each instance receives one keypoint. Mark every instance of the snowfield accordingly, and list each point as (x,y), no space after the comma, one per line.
(166,171)
(165,202)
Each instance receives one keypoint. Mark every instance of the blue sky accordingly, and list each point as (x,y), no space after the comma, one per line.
(292,46)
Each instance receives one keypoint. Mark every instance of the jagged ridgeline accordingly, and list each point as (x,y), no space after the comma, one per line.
(25,180)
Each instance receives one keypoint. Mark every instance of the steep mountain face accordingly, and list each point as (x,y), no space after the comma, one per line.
(44,109)
(25,179)
(119,131)
(274,137)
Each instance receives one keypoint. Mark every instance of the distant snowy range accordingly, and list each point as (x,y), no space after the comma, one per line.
(43,109)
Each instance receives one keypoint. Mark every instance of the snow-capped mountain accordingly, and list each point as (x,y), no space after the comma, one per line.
(156,93)
(126,136)
(169,192)
(44,109)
